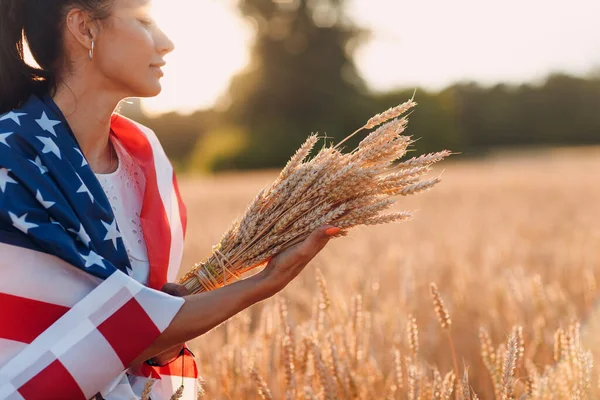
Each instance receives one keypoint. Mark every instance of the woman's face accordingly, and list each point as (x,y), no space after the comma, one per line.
(130,49)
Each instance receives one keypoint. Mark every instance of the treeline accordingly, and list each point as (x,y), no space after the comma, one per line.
(563,110)
(302,79)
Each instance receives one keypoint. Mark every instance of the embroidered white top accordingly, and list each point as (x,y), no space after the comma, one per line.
(125,191)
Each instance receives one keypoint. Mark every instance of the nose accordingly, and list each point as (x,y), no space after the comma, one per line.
(164,44)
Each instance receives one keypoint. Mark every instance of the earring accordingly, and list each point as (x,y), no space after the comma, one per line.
(92,51)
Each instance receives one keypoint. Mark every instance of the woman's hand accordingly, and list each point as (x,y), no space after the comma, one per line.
(175,289)
(286,265)
(204,311)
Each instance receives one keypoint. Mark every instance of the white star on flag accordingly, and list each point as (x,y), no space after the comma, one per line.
(38,163)
(82,235)
(84,161)
(49,146)
(20,223)
(46,204)
(112,233)
(3,137)
(14,116)
(5,179)
(93,259)
(84,189)
(47,124)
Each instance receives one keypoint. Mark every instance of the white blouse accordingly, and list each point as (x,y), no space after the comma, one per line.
(125,191)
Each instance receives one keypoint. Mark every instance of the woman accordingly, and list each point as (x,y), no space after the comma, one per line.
(91,223)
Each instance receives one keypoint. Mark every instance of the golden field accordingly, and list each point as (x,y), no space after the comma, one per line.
(510,240)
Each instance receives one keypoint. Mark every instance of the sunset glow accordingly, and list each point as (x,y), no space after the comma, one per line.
(428,43)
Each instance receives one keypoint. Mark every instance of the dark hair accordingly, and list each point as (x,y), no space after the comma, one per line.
(40,23)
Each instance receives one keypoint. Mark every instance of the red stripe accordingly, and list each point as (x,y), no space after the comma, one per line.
(182,208)
(53,382)
(184,366)
(25,319)
(155,223)
(129,331)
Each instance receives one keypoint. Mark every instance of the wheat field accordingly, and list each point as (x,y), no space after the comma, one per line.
(512,243)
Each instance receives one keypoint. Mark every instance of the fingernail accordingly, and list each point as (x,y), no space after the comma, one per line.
(332,231)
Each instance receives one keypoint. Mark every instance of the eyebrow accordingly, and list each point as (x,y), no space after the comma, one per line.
(139,4)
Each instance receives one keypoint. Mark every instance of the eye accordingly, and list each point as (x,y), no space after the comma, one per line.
(146,22)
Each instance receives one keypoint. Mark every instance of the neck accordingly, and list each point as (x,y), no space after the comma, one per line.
(88,112)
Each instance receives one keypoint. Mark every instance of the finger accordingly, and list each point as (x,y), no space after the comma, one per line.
(174,289)
(167,287)
(320,236)
(268,263)
(182,291)
(332,231)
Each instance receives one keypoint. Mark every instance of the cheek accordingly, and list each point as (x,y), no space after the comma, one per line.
(128,55)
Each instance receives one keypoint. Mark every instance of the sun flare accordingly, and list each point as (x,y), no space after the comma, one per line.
(211,44)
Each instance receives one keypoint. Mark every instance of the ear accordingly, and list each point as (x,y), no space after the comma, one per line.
(82,27)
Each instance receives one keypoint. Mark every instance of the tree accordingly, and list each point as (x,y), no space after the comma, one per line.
(301,79)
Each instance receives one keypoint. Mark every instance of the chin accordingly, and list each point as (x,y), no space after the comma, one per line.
(149,90)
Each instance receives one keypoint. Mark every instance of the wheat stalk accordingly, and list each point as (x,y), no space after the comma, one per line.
(332,188)
(445,321)
(466,388)
(178,394)
(412,333)
(508,369)
(147,389)
(288,360)
(261,385)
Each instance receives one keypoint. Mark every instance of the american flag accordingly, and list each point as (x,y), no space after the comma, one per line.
(71,318)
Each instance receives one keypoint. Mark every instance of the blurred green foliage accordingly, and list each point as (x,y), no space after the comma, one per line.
(302,79)
(220,150)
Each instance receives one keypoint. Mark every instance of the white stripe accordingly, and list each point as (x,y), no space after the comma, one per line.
(9,348)
(122,391)
(177,239)
(79,333)
(43,277)
(164,176)
(166,386)
(117,381)
(74,326)
(82,356)
(9,392)
(153,303)
(63,330)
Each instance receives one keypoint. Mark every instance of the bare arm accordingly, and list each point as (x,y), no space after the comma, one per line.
(204,311)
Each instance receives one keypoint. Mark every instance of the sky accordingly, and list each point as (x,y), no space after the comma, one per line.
(425,43)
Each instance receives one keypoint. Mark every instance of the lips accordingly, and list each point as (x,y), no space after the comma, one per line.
(157,68)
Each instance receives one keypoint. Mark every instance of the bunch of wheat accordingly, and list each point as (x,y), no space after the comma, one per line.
(345,190)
